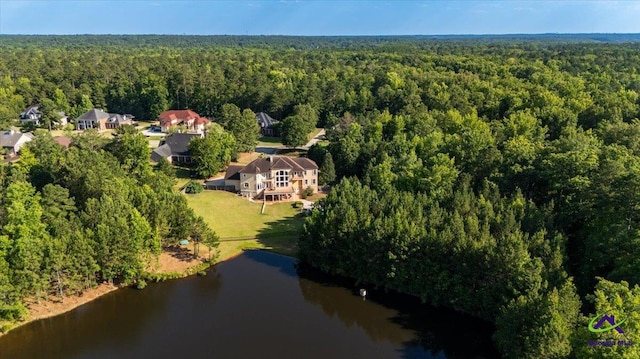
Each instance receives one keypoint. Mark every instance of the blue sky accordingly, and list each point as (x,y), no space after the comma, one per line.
(278,17)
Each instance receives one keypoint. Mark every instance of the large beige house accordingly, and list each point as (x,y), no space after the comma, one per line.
(273,178)
(100,120)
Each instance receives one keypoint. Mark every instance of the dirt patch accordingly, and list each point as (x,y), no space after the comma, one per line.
(179,259)
(55,305)
(171,260)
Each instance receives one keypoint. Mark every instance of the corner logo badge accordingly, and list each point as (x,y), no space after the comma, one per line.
(599,326)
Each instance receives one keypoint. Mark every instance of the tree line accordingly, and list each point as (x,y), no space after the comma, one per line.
(72,218)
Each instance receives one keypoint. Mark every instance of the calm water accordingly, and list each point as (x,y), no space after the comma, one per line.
(259,305)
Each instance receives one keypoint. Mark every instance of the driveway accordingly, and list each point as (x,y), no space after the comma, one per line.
(150,133)
(269,150)
(316,139)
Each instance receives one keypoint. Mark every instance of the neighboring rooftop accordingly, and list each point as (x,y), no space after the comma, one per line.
(177,116)
(174,145)
(10,138)
(93,115)
(63,141)
(264,120)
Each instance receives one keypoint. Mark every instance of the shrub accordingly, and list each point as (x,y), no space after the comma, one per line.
(194,187)
(15,312)
(297,204)
(5,328)
(307,192)
(141,284)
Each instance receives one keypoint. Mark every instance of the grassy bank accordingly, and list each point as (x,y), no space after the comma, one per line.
(232,217)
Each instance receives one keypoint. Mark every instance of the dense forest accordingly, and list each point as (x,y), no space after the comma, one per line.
(72,218)
(498,178)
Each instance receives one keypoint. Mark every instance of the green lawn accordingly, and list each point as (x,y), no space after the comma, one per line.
(266,141)
(236,218)
(182,177)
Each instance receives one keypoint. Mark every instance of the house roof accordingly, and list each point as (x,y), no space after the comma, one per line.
(177,115)
(117,118)
(33,108)
(265,120)
(233,173)
(202,121)
(93,115)
(262,165)
(63,141)
(163,151)
(176,144)
(9,139)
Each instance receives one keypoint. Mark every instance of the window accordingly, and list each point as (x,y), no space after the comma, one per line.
(246,185)
(314,172)
(306,182)
(313,181)
(282,179)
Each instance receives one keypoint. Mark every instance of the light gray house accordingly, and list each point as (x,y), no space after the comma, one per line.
(11,141)
(31,115)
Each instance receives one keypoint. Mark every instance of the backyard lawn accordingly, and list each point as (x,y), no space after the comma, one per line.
(239,223)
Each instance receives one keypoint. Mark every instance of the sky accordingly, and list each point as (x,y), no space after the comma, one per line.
(317,17)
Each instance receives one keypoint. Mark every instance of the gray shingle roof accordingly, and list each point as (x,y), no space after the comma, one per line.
(117,118)
(265,120)
(161,152)
(9,138)
(93,115)
(173,145)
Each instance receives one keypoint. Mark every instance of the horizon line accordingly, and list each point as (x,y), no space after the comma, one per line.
(344,35)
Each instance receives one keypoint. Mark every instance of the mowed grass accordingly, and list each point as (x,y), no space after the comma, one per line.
(266,141)
(237,221)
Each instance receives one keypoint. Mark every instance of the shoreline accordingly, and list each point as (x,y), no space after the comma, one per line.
(48,309)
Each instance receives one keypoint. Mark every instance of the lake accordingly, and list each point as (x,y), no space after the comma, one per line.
(257,305)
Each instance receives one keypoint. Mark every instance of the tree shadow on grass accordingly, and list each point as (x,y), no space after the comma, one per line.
(184,172)
(281,236)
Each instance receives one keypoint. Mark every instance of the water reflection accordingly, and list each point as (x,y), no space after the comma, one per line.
(259,305)
(399,319)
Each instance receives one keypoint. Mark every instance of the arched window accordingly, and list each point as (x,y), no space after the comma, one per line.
(282,179)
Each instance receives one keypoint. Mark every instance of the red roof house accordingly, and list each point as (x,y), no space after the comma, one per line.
(190,119)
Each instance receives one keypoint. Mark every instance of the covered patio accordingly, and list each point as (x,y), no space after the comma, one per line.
(279,194)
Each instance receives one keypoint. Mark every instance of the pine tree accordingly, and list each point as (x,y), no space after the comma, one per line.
(327,171)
